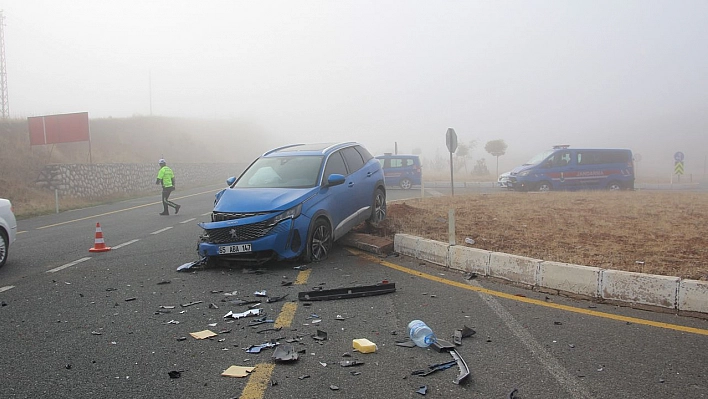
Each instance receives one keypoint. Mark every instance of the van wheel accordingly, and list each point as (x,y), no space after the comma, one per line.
(319,241)
(544,186)
(4,247)
(405,183)
(614,186)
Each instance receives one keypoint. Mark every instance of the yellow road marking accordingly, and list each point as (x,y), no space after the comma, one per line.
(259,379)
(499,294)
(119,210)
(302,277)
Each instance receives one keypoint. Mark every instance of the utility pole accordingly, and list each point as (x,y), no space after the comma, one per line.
(3,71)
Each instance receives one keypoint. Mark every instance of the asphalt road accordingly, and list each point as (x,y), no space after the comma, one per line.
(76,324)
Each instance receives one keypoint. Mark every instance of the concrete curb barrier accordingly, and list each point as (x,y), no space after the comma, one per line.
(640,290)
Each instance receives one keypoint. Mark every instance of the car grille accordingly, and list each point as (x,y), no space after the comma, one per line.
(221,216)
(246,232)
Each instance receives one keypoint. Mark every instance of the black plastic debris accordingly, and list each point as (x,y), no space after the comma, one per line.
(164,282)
(350,292)
(213,306)
(302,377)
(276,298)
(243,302)
(433,368)
(320,335)
(174,374)
(350,363)
(462,333)
(260,320)
(422,390)
(558,323)
(355,372)
(513,394)
(442,345)
(130,299)
(406,343)
(285,353)
(286,283)
(182,339)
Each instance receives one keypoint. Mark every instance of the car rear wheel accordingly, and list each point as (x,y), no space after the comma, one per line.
(4,244)
(614,186)
(405,183)
(545,186)
(319,241)
(378,208)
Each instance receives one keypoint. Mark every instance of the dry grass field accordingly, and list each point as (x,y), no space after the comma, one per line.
(642,231)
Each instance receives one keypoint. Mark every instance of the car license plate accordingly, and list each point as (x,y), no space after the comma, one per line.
(234,249)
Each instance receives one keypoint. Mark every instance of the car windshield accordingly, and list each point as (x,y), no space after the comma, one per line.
(282,172)
(538,158)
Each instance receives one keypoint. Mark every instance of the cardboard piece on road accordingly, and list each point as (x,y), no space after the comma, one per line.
(203,334)
(237,371)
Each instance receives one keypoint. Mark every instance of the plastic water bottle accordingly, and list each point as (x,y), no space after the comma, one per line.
(421,334)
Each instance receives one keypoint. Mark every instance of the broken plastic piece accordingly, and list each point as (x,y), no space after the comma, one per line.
(433,368)
(190,265)
(363,345)
(350,363)
(320,335)
(285,353)
(184,305)
(512,394)
(252,312)
(462,365)
(260,293)
(276,298)
(261,320)
(441,345)
(422,390)
(352,292)
(407,343)
(174,374)
(258,348)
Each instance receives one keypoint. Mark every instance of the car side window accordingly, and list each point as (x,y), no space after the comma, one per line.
(365,154)
(335,164)
(353,159)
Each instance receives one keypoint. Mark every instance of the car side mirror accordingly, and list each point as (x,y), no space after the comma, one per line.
(230,181)
(335,179)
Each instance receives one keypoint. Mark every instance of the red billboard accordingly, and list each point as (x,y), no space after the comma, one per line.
(62,128)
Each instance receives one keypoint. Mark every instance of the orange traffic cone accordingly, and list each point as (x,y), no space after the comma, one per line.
(99,245)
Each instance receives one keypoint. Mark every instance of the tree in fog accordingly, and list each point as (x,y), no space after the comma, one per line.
(463,153)
(497,148)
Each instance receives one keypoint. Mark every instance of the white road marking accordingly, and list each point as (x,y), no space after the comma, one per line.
(76,262)
(187,221)
(207,214)
(161,230)
(564,378)
(6,288)
(125,243)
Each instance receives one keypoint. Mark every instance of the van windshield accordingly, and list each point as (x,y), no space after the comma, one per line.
(538,158)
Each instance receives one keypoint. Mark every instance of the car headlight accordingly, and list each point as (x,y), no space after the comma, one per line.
(524,173)
(291,213)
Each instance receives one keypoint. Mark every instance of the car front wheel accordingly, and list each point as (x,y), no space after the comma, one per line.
(545,186)
(319,241)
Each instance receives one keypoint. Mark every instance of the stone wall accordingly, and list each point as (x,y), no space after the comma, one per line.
(105,180)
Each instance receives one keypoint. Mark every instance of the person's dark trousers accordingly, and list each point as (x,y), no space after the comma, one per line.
(166,191)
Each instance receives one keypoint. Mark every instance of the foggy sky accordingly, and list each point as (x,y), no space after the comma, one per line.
(625,74)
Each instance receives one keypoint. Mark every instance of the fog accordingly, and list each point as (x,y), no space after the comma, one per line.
(620,74)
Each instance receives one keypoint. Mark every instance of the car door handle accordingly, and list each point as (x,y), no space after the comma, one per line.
(351,184)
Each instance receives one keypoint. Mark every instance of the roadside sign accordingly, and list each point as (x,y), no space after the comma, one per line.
(451,140)
(678,168)
(678,157)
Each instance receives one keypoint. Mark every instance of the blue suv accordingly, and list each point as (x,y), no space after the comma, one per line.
(294,202)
